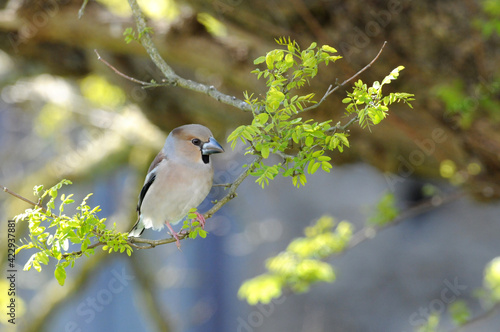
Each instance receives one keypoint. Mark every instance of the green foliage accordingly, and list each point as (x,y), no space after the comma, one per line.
(459,312)
(490,24)
(192,226)
(489,295)
(468,103)
(370,104)
(51,232)
(131,35)
(300,265)
(385,211)
(492,280)
(277,127)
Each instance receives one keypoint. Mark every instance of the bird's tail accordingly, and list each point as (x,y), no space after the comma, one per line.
(138,228)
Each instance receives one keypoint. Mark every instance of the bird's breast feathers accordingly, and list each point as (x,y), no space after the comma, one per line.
(176,189)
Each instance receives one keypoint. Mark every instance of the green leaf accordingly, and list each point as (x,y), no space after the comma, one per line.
(202,233)
(65,244)
(194,233)
(289,60)
(393,75)
(329,49)
(315,167)
(309,141)
(36,265)
(270,60)
(259,60)
(265,151)
(302,179)
(326,166)
(60,274)
(42,257)
(312,46)
(37,190)
(263,117)
(274,98)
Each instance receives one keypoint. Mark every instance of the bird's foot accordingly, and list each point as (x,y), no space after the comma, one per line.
(201,219)
(175,235)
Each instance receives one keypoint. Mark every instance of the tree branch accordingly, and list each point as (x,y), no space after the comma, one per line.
(232,189)
(135,80)
(8,191)
(343,127)
(484,315)
(81,11)
(171,77)
(149,244)
(369,232)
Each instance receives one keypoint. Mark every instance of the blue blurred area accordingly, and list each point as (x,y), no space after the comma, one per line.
(385,284)
(389,283)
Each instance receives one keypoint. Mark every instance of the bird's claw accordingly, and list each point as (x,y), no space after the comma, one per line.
(201,219)
(175,235)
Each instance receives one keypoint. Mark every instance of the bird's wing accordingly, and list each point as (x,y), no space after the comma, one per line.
(138,227)
(158,159)
(150,177)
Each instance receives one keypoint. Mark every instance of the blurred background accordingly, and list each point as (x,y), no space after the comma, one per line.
(64,114)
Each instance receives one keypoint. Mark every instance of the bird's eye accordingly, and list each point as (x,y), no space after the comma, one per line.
(196,141)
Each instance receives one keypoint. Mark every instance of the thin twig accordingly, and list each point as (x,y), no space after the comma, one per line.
(343,127)
(232,189)
(368,232)
(82,8)
(135,80)
(153,243)
(332,89)
(171,77)
(8,191)
(79,252)
(225,185)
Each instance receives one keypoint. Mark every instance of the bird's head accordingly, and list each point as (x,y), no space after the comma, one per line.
(193,143)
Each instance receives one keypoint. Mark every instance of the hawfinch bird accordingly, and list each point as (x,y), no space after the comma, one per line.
(178,179)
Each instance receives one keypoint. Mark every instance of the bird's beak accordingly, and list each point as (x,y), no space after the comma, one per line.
(211,147)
